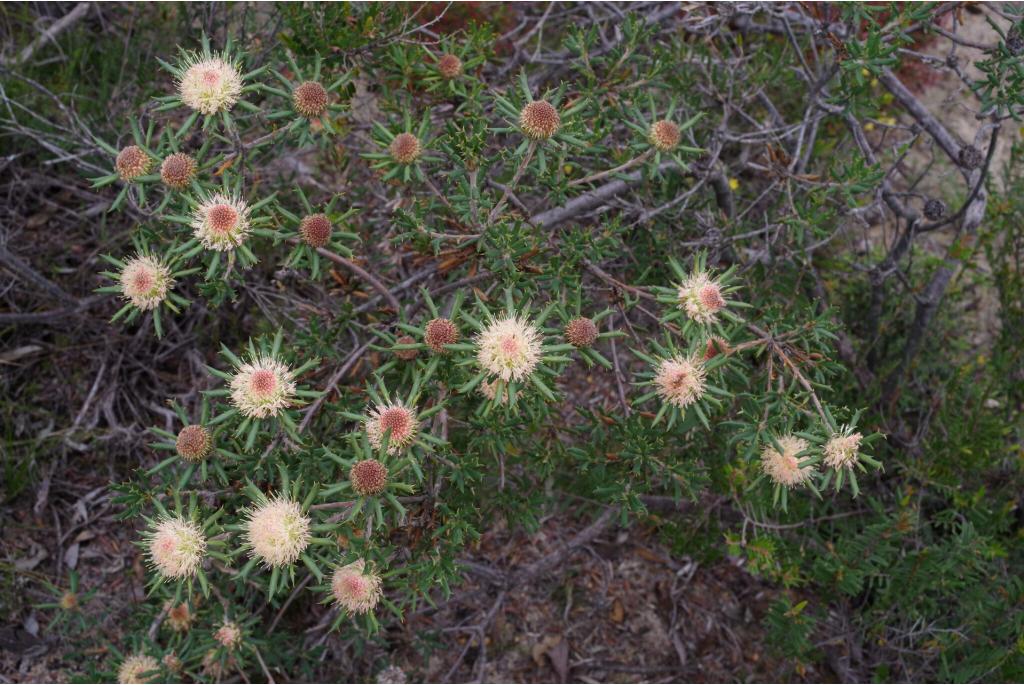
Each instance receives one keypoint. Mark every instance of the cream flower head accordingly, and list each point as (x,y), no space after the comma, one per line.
(229,635)
(277,531)
(396,417)
(784,467)
(145,282)
(176,548)
(221,222)
(680,381)
(209,84)
(133,668)
(356,589)
(509,348)
(700,296)
(262,388)
(842,449)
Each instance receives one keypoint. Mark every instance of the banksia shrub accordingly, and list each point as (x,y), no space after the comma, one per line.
(310,99)
(132,162)
(178,170)
(539,120)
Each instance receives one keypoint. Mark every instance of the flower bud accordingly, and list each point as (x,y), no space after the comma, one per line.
(177,170)
(315,230)
(369,477)
(449,66)
(309,99)
(580,332)
(440,332)
(132,162)
(193,443)
(664,135)
(405,148)
(539,120)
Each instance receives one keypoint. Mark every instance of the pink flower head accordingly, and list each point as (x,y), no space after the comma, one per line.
(356,589)
(784,467)
(397,418)
(680,381)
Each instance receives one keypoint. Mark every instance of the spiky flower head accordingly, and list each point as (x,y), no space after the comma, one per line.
(145,282)
(176,547)
(714,347)
(277,532)
(229,635)
(178,170)
(580,332)
(135,667)
(69,601)
(355,588)
(664,135)
(171,662)
(405,148)
(194,443)
(315,230)
(368,477)
(394,417)
(449,66)
(179,617)
(509,347)
(700,296)
(539,120)
(221,222)
(406,355)
(680,381)
(784,467)
(392,675)
(842,449)
(132,162)
(309,99)
(209,84)
(440,332)
(262,388)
